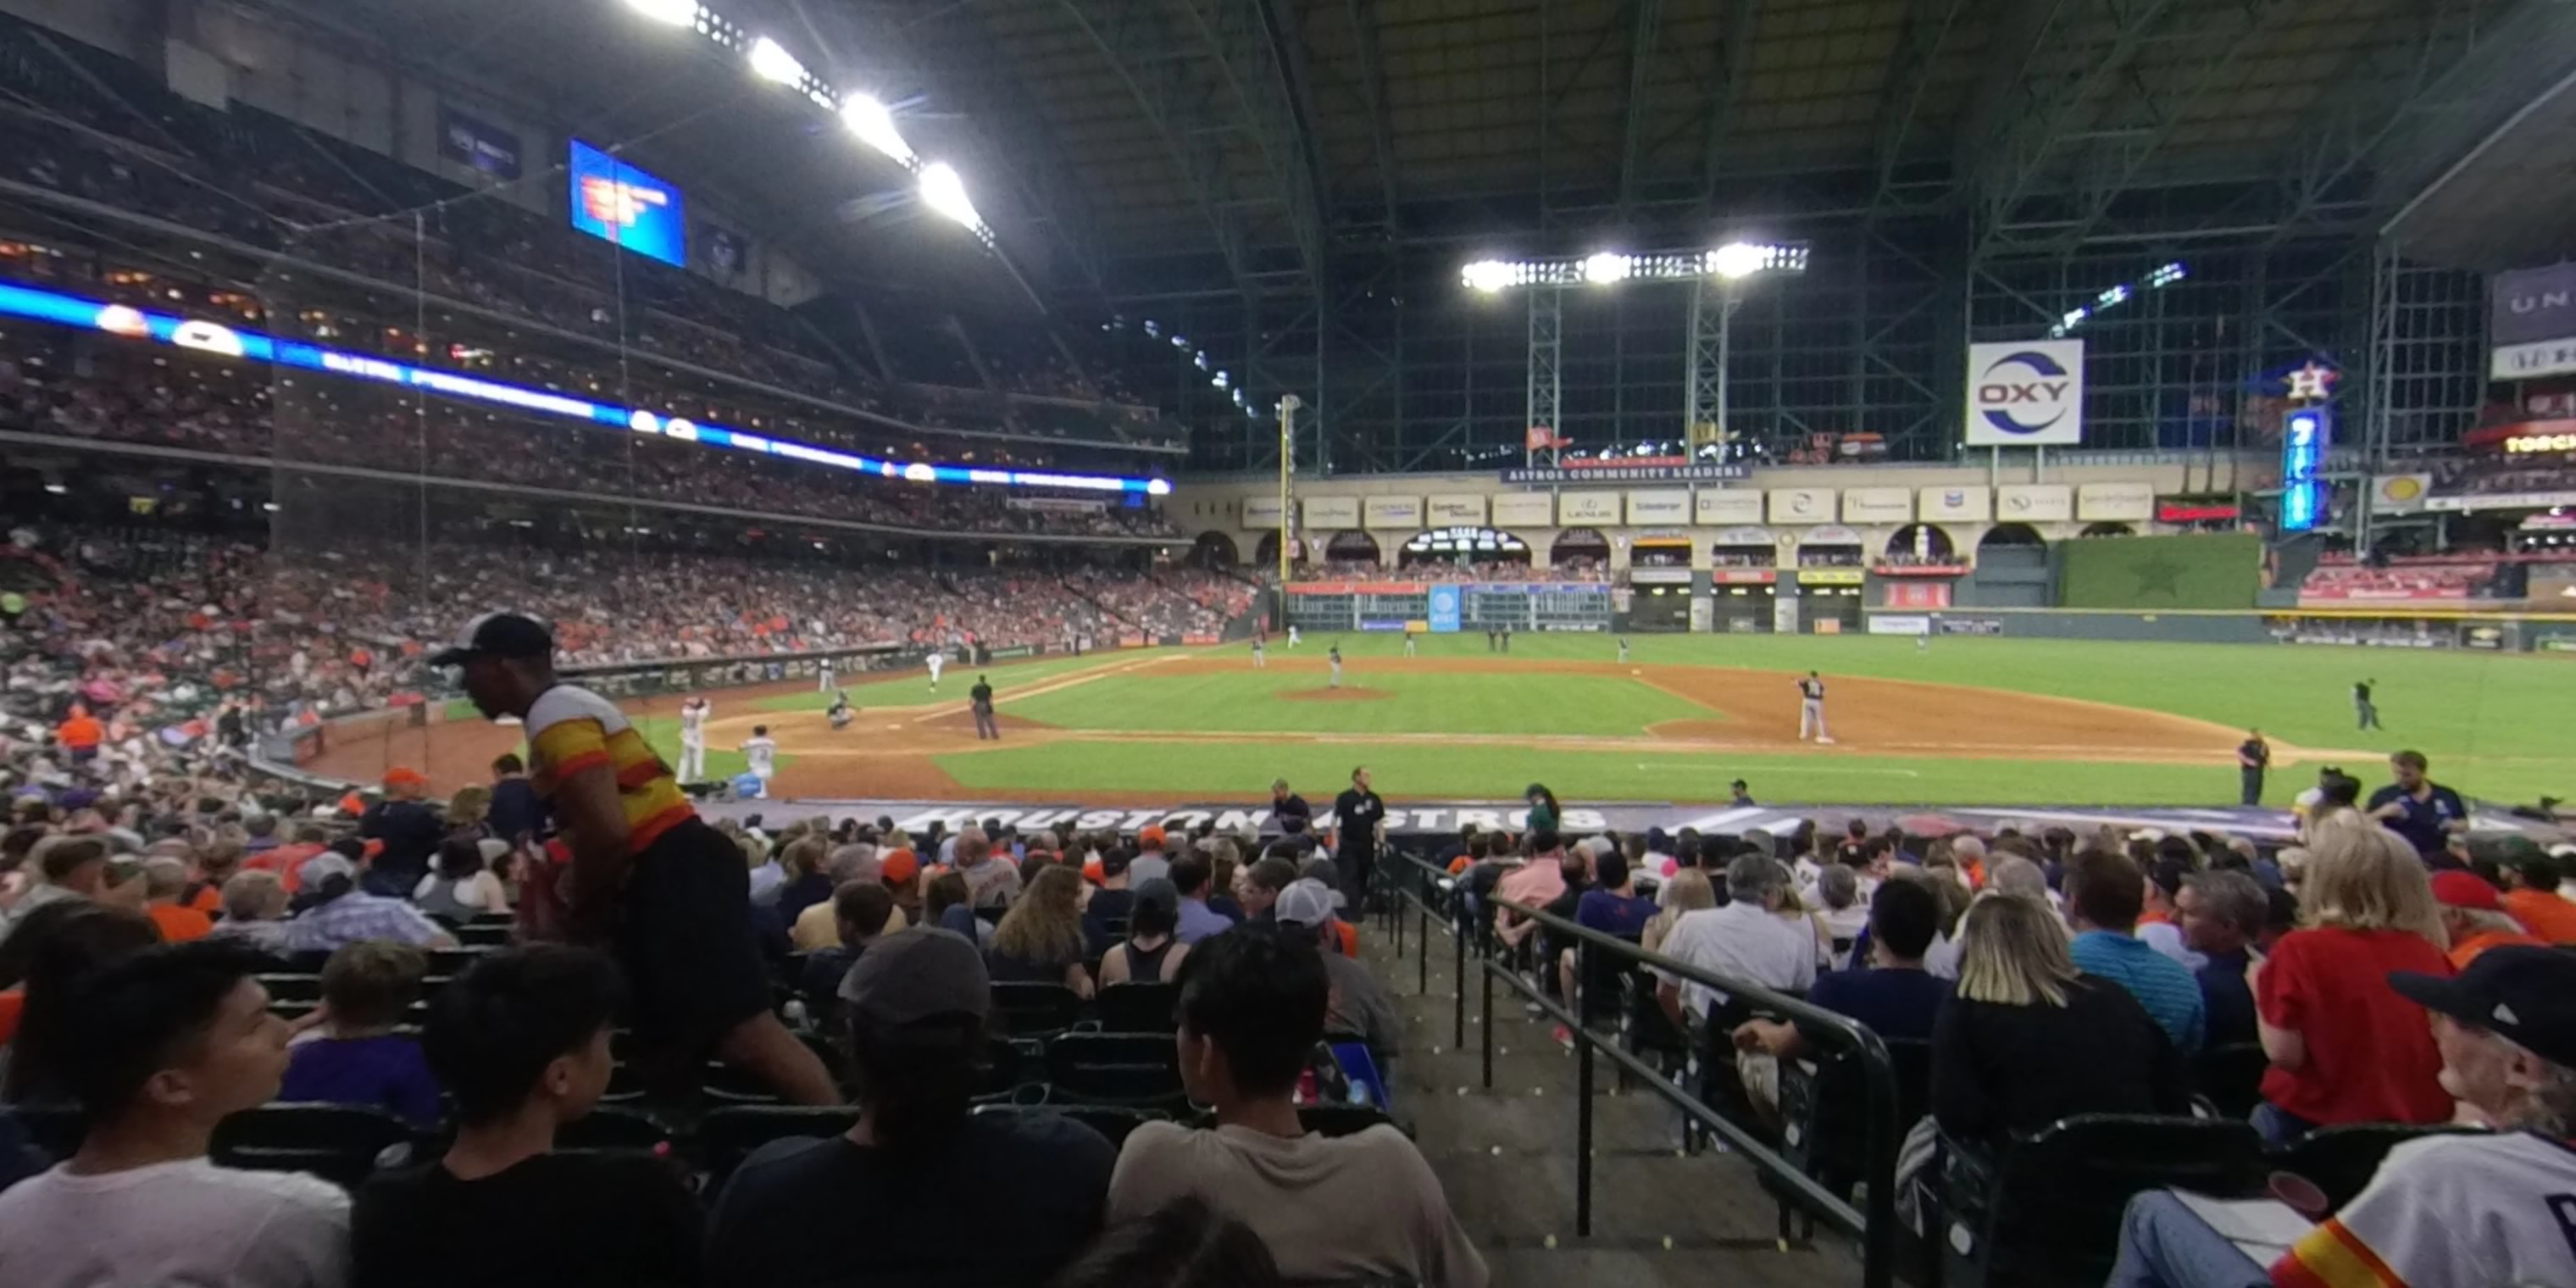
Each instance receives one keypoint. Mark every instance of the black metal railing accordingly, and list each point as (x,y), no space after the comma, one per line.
(1434,896)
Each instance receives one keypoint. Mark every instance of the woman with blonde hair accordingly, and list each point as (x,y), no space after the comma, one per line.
(2344,1047)
(1040,939)
(2027,1039)
(1688,891)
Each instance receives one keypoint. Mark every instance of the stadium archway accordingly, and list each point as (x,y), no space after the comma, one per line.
(2011,536)
(1579,548)
(1921,543)
(2108,530)
(1265,553)
(1463,547)
(1217,550)
(1353,547)
(1830,546)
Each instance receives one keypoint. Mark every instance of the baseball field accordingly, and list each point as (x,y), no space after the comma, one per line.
(1965,721)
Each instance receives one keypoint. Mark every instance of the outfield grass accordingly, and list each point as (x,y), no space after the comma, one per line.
(912,689)
(2493,724)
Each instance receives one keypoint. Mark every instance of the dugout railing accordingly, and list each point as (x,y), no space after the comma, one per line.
(1434,897)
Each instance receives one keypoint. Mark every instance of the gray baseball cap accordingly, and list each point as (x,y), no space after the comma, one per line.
(919,974)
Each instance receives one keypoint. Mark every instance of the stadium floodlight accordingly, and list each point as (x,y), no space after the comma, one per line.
(1736,260)
(675,13)
(1606,268)
(1218,379)
(944,192)
(869,119)
(1492,275)
(770,61)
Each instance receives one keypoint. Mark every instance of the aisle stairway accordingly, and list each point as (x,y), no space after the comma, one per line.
(1506,1157)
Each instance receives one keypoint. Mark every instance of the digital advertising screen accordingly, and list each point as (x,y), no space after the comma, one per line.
(616,202)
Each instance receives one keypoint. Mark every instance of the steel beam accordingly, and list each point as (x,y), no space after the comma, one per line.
(1137,47)
(1363,16)
(1643,18)
(2220,41)
(1735,61)
(1253,59)
(1546,318)
(1918,48)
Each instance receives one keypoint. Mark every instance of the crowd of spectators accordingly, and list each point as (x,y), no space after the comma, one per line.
(143,396)
(2400,579)
(2489,476)
(157,631)
(148,938)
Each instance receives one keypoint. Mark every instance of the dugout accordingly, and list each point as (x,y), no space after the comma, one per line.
(1829,600)
(1742,601)
(1659,599)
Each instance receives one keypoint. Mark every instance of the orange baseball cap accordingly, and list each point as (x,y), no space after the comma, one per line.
(401,776)
(1150,834)
(898,868)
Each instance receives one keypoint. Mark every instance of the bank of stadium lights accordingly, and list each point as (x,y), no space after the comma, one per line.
(868,118)
(2116,296)
(677,13)
(1607,268)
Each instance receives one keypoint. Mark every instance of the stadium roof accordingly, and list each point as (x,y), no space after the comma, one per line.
(1127,145)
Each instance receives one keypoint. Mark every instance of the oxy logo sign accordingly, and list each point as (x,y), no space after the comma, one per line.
(2028,394)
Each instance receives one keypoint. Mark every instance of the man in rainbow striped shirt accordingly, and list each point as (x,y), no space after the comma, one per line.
(648,876)
(2468,1210)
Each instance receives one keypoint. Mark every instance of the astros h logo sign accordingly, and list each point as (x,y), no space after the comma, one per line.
(2025,393)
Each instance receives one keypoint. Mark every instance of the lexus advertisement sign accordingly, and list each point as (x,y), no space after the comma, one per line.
(2531,321)
(2026,394)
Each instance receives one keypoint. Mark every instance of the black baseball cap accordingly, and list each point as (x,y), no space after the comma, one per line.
(505,635)
(918,975)
(2522,993)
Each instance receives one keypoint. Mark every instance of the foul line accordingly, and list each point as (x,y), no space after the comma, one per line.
(1057,685)
(1891,772)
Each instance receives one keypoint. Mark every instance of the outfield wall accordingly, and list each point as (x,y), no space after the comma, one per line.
(2483,632)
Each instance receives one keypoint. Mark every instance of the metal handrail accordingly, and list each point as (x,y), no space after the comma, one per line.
(1873,1224)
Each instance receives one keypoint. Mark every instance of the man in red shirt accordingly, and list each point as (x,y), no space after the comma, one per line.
(287,860)
(80,734)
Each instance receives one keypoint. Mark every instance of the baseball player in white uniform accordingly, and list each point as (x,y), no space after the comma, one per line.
(693,739)
(1811,709)
(1260,654)
(1334,656)
(1292,635)
(938,661)
(825,686)
(761,755)
(1408,643)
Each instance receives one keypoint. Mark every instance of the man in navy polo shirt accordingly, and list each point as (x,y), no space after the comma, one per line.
(2417,808)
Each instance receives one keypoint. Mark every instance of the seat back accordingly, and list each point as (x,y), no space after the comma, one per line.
(292,988)
(1605,983)
(2341,1160)
(1825,1113)
(1137,1069)
(2051,1211)
(484,934)
(611,1128)
(1035,1010)
(455,961)
(1140,1008)
(2230,1077)
(1112,1121)
(727,1136)
(342,1144)
(1340,1120)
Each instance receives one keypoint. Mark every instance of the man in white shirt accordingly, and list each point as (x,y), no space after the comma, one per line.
(172,1040)
(693,739)
(938,661)
(760,753)
(1746,939)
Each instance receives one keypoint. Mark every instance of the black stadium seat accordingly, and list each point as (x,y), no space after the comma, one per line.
(1024,1010)
(1138,1069)
(613,1129)
(2230,1077)
(729,1135)
(2048,1211)
(1140,1008)
(2340,1160)
(292,988)
(342,1144)
(1112,1121)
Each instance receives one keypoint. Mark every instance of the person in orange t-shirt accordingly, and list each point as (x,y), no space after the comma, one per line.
(80,733)
(165,883)
(2474,916)
(2531,897)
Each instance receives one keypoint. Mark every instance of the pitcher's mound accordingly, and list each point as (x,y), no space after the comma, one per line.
(1346,693)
